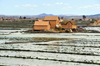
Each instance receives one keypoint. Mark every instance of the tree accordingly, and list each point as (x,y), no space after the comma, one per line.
(24,17)
(72,19)
(84,16)
(62,17)
(20,17)
(80,19)
(2,18)
(37,19)
(33,20)
(29,20)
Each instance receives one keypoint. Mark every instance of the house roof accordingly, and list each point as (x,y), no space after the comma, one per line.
(92,24)
(51,18)
(98,20)
(40,22)
(65,22)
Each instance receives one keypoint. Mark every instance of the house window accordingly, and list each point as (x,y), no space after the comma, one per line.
(68,23)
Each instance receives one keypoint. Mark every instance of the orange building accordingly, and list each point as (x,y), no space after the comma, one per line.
(41,25)
(1,19)
(95,23)
(69,25)
(98,22)
(92,23)
(54,20)
(10,19)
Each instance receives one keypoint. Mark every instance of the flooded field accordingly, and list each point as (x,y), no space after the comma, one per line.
(51,49)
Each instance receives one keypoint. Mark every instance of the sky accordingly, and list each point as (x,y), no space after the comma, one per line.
(56,7)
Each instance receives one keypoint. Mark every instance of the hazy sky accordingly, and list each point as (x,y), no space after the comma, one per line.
(56,7)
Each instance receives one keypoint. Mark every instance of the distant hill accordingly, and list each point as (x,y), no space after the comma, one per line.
(68,16)
(94,16)
(44,14)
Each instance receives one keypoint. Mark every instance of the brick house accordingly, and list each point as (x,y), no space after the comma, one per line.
(54,20)
(68,25)
(41,25)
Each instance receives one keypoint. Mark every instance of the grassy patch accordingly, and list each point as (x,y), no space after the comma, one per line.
(4,34)
(18,38)
(20,24)
(49,39)
(32,38)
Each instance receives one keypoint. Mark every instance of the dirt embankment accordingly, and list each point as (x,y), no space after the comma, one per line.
(31,31)
(86,31)
(78,30)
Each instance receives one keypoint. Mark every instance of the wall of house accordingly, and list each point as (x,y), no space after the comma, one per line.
(69,26)
(98,22)
(64,26)
(43,27)
(74,26)
(53,23)
(48,27)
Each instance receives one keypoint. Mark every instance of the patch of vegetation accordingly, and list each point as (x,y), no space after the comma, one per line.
(32,38)
(94,20)
(18,38)
(49,39)
(21,23)
(4,34)
(71,41)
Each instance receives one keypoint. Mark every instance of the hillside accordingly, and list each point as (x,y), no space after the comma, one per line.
(44,14)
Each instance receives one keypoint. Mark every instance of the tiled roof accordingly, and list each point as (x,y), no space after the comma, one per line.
(65,22)
(51,18)
(41,22)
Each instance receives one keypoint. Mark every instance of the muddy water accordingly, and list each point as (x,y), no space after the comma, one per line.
(56,35)
(35,62)
(92,28)
(84,50)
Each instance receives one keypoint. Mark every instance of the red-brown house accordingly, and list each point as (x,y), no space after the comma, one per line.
(54,20)
(69,25)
